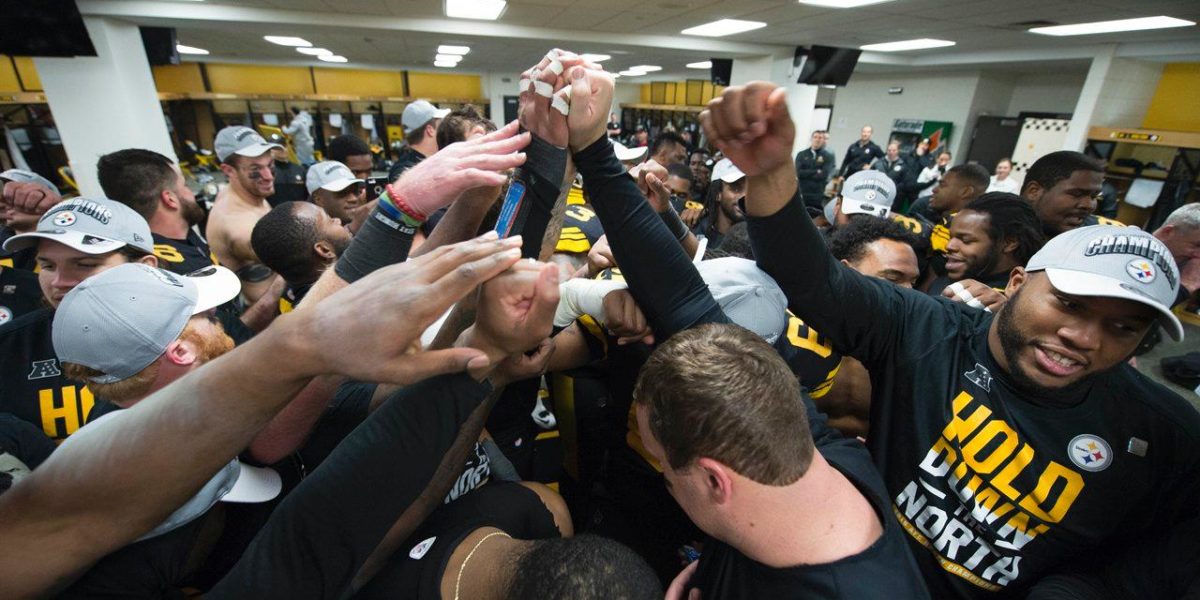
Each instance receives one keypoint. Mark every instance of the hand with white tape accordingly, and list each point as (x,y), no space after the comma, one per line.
(545,98)
(975,294)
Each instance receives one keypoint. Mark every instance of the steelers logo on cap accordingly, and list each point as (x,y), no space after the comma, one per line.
(1090,453)
(870,195)
(65,218)
(1141,270)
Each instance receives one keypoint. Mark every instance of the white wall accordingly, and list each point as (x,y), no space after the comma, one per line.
(1128,89)
(1045,92)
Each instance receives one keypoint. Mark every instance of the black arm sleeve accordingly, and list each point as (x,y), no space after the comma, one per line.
(661,277)
(320,535)
(542,176)
(381,241)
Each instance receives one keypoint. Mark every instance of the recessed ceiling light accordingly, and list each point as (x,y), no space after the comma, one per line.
(489,10)
(284,40)
(335,58)
(454,58)
(460,50)
(723,27)
(903,45)
(842,3)
(1159,22)
(631,73)
(445,64)
(615,75)
(595,57)
(314,51)
(180,48)
(707,64)
(646,68)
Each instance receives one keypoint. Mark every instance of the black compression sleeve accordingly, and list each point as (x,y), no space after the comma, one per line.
(320,535)
(542,176)
(661,277)
(380,242)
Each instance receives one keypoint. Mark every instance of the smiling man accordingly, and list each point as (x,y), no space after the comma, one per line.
(989,238)
(1063,188)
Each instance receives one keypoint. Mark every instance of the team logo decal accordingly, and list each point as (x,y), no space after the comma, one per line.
(6,315)
(1090,453)
(980,376)
(42,369)
(418,552)
(870,195)
(1141,270)
(64,219)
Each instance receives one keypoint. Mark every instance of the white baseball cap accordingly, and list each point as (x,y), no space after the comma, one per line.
(241,141)
(420,112)
(625,153)
(89,225)
(868,193)
(726,171)
(330,175)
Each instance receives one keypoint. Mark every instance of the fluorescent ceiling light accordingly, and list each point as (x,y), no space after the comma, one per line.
(842,3)
(646,68)
(180,48)
(284,40)
(314,51)
(595,57)
(723,27)
(445,64)
(332,58)
(631,73)
(448,58)
(459,50)
(901,46)
(475,9)
(1159,22)
(615,75)
(706,64)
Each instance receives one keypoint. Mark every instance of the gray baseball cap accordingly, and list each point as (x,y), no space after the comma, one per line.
(90,225)
(23,176)
(242,141)
(749,296)
(119,321)
(234,482)
(420,112)
(867,193)
(330,175)
(1113,262)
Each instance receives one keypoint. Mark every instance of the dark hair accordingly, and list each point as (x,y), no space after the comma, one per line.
(974,174)
(584,567)
(136,178)
(1057,166)
(737,241)
(1011,217)
(681,171)
(664,138)
(458,123)
(850,241)
(283,241)
(719,391)
(816,131)
(344,146)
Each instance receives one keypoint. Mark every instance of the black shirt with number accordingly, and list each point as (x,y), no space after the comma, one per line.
(183,256)
(32,385)
(580,230)
(995,487)
(20,293)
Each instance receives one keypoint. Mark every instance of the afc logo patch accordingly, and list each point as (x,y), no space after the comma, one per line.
(1141,270)
(980,376)
(43,369)
(1090,453)
(64,219)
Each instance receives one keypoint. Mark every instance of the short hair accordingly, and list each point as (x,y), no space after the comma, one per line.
(737,241)
(458,122)
(283,241)
(666,137)
(719,391)
(849,242)
(681,171)
(1005,160)
(1011,217)
(344,146)
(136,178)
(1052,168)
(1185,217)
(816,131)
(946,152)
(583,567)
(974,174)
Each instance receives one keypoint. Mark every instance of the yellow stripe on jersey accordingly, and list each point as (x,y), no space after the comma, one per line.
(285,306)
(6,262)
(823,388)
(575,196)
(940,238)
(1108,221)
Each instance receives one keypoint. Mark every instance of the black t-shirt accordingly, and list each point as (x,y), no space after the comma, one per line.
(407,159)
(32,384)
(884,570)
(858,155)
(417,569)
(24,441)
(20,293)
(996,281)
(293,293)
(996,488)
(183,256)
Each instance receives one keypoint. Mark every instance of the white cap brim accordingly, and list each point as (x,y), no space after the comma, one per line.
(254,485)
(851,206)
(441,113)
(732,176)
(214,286)
(83,242)
(1079,283)
(631,153)
(338,185)
(255,150)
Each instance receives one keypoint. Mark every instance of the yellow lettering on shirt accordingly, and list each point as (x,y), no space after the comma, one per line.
(71,410)
(168,253)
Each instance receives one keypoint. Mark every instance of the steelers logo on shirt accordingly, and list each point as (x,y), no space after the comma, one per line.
(64,219)
(418,552)
(1090,453)
(1141,270)
(6,315)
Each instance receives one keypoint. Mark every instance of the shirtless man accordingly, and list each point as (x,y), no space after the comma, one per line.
(246,160)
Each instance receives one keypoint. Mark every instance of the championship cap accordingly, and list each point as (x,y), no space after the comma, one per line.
(235,482)
(1113,262)
(121,320)
(749,296)
(23,176)
(868,193)
(330,175)
(420,112)
(92,226)
(241,141)
(726,171)
(625,153)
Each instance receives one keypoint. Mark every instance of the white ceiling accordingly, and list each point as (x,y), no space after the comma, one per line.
(405,33)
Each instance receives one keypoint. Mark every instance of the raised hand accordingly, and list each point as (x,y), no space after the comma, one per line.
(436,181)
(625,319)
(591,100)
(650,180)
(751,125)
(30,198)
(975,294)
(538,86)
(515,311)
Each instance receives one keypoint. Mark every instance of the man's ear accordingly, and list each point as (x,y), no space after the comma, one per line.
(149,259)
(1033,191)
(1016,279)
(718,480)
(325,250)
(181,353)
(167,198)
(228,170)
(1010,246)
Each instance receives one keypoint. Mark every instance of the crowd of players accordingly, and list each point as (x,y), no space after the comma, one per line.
(543,365)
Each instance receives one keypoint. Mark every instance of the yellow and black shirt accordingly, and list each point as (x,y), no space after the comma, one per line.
(183,256)
(580,230)
(32,384)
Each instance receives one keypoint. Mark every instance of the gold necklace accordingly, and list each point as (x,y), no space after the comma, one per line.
(463,566)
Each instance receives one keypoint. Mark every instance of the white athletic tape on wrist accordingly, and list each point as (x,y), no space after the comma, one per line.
(542,88)
(975,303)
